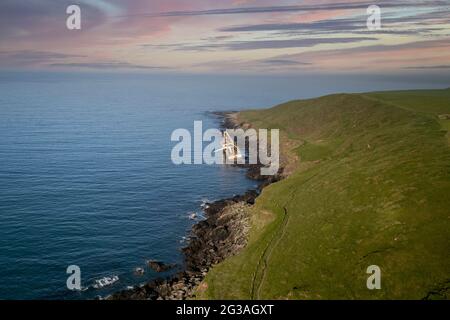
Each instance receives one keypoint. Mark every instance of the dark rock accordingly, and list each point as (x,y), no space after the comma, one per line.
(159,266)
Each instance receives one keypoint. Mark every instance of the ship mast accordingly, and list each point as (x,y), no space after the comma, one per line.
(229,148)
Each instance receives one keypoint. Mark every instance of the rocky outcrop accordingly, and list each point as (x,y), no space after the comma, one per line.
(221,235)
(177,287)
(159,266)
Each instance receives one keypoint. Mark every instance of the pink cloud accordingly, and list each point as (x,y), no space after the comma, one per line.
(118,36)
(378,57)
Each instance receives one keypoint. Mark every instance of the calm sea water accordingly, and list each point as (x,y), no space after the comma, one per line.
(86,176)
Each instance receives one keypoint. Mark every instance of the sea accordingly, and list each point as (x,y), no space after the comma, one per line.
(86,176)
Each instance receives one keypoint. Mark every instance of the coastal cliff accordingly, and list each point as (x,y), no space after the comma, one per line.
(222,234)
(365,182)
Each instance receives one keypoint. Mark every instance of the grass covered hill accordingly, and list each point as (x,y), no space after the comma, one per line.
(368,184)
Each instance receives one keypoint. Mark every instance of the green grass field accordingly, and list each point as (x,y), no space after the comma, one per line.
(372,187)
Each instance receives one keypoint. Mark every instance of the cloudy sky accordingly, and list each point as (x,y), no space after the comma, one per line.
(225,36)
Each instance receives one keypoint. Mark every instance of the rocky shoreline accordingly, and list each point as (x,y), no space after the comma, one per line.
(222,234)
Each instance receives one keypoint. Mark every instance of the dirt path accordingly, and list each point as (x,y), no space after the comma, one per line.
(278,235)
(263,261)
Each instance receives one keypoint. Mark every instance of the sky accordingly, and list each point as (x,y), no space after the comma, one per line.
(226,36)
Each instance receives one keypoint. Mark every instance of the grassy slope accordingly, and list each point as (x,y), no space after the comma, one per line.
(373,187)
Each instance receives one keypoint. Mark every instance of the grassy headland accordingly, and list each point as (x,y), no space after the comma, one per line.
(368,184)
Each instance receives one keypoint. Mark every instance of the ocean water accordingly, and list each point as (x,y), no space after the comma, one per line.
(86,177)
